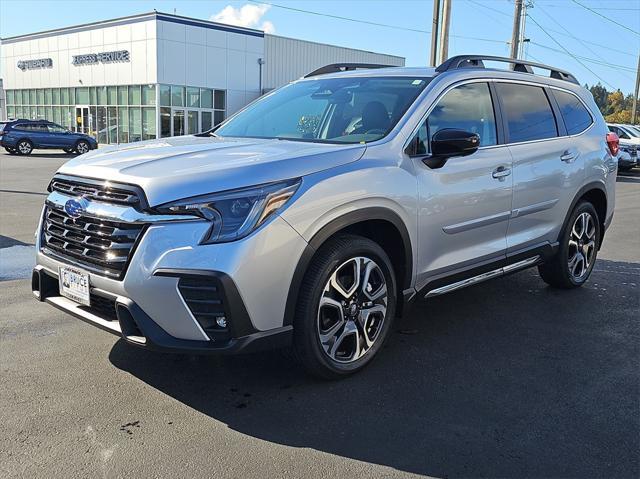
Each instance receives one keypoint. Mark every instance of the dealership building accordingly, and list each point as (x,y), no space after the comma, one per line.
(153,75)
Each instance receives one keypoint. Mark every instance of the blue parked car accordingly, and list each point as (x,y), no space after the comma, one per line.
(23,136)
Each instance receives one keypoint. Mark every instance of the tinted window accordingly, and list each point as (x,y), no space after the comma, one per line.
(576,116)
(469,108)
(527,111)
(53,128)
(619,132)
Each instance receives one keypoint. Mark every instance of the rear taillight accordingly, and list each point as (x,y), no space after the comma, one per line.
(613,142)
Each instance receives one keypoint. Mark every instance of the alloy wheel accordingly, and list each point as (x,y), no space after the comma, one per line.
(24,147)
(582,246)
(352,309)
(82,148)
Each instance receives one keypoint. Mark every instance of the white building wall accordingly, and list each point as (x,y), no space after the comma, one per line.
(213,58)
(138,37)
(288,59)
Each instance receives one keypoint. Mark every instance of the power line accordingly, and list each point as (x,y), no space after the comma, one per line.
(569,53)
(605,17)
(586,59)
(366,22)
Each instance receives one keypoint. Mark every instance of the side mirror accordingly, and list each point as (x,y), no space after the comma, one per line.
(452,142)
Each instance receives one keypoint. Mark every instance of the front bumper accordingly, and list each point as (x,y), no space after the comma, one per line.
(255,273)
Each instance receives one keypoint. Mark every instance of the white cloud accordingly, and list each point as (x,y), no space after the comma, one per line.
(246,16)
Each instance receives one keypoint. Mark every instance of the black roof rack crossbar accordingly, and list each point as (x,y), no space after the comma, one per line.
(476,61)
(343,67)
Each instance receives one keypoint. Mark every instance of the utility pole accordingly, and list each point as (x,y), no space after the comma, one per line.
(444,33)
(524,41)
(634,107)
(434,33)
(515,34)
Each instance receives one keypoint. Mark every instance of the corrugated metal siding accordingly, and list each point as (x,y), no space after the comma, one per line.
(288,59)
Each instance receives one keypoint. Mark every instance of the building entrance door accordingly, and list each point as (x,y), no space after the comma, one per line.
(83,120)
(184,121)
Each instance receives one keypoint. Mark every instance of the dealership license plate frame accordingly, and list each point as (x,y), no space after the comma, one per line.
(79,288)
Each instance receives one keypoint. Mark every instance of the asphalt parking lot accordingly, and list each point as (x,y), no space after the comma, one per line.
(505,379)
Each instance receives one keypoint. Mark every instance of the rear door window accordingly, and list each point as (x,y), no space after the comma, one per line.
(527,112)
(576,117)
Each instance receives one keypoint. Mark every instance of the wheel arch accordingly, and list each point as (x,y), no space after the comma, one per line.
(596,194)
(381,225)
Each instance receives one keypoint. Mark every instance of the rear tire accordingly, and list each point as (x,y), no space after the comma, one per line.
(341,323)
(82,147)
(11,151)
(24,147)
(68,151)
(574,261)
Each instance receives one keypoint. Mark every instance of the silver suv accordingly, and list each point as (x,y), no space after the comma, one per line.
(314,216)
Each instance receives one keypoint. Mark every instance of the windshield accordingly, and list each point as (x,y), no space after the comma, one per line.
(634,130)
(333,110)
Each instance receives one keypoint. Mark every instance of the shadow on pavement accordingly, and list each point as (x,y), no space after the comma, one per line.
(509,378)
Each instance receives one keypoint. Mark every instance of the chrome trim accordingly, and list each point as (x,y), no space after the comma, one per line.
(113,212)
(476,223)
(483,277)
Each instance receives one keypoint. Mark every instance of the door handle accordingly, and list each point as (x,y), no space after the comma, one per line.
(568,156)
(501,172)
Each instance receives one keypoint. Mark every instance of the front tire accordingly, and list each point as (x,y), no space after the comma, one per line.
(346,306)
(574,261)
(24,147)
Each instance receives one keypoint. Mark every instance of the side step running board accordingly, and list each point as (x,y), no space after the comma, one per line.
(483,277)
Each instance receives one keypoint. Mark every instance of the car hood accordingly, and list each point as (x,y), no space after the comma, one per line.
(629,141)
(173,168)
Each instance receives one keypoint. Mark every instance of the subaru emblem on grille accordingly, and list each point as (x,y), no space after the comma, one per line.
(75,207)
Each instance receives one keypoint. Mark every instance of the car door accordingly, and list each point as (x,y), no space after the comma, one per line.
(38,134)
(465,203)
(59,137)
(548,165)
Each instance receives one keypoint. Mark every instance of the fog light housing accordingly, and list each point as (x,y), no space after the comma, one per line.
(221,321)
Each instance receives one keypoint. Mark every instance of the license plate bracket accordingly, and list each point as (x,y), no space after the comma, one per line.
(74,284)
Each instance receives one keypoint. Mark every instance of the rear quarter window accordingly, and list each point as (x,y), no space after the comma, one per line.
(575,115)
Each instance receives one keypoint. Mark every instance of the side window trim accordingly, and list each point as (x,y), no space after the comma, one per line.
(560,125)
(501,126)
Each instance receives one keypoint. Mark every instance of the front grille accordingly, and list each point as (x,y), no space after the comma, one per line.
(204,300)
(103,246)
(98,191)
(103,307)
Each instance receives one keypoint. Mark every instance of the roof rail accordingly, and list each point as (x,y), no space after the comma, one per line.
(343,67)
(524,66)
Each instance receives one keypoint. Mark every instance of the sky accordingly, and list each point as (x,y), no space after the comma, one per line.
(563,33)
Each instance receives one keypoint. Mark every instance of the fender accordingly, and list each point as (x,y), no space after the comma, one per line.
(593,185)
(331,228)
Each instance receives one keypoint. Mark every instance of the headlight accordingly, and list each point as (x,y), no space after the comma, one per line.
(235,213)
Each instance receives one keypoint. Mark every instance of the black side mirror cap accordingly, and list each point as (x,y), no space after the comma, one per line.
(450,142)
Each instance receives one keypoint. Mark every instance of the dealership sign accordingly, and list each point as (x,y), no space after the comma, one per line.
(104,57)
(35,64)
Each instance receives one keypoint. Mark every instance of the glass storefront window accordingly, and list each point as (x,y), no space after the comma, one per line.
(101,124)
(218,117)
(134,95)
(165,95)
(165,122)
(48,114)
(101,94)
(57,117)
(206,120)
(148,123)
(10,98)
(55,96)
(17,97)
(47,96)
(92,121)
(206,98)
(135,124)
(219,100)
(40,113)
(177,96)
(40,96)
(148,94)
(11,112)
(193,97)
(82,96)
(19,113)
(64,96)
(122,95)
(123,125)
(32,97)
(192,122)
(72,96)
(93,95)
(178,122)
(112,118)
(112,96)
